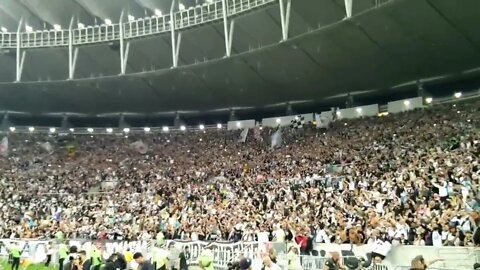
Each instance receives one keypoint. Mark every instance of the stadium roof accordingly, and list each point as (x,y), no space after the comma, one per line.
(395,43)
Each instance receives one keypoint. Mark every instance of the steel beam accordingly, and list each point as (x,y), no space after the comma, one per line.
(285,17)
(348,8)
(20,56)
(72,52)
(123,64)
(227,31)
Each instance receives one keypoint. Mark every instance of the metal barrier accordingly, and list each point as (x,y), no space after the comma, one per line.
(138,28)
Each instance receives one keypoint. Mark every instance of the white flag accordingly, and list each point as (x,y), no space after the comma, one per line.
(243,135)
(322,121)
(277,139)
(4,147)
(47,147)
(140,147)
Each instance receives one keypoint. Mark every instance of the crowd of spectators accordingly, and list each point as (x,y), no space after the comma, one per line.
(411,178)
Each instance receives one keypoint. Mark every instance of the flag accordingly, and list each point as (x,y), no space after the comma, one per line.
(297,122)
(277,139)
(140,147)
(47,147)
(4,147)
(322,121)
(71,150)
(257,134)
(243,135)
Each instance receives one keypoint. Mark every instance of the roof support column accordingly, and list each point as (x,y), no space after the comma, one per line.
(20,57)
(348,8)
(124,49)
(228,28)
(285,17)
(72,52)
(176,38)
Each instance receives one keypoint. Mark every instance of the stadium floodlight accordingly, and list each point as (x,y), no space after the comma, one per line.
(458,94)
(57,27)
(165,129)
(72,130)
(278,120)
(131,18)
(181,6)
(31,129)
(81,25)
(108,22)
(158,12)
(219,126)
(183,128)
(406,102)
(359,110)
(28,28)
(90,130)
(147,129)
(202,127)
(126,130)
(12,129)
(109,130)
(4,29)
(428,100)
(52,130)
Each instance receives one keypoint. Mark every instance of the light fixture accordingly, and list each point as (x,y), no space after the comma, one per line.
(239,124)
(158,12)
(278,120)
(31,129)
(28,28)
(126,130)
(131,18)
(72,129)
(200,139)
(183,128)
(12,129)
(339,113)
(202,127)
(345,124)
(458,111)
(90,130)
(109,130)
(108,22)
(165,129)
(81,25)
(406,102)
(428,100)
(52,130)
(147,129)
(296,117)
(260,128)
(4,29)
(57,27)
(219,126)
(458,94)
(181,6)
(359,110)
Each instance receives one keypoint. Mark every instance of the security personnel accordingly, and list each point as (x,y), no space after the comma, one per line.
(96,259)
(206,259)
(160,258)
(15,254)
(62,254)
(293,259)
(128,257)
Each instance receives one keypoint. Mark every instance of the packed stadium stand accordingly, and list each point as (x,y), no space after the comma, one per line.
(239,134)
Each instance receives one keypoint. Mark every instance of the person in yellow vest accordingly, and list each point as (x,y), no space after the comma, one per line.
(128,256)
(15,254)
(206,259)
(160,258)
(62,254)
(293,259)
(96,259)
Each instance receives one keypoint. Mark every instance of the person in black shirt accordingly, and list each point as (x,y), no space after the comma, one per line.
(184,257)
(143,264)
